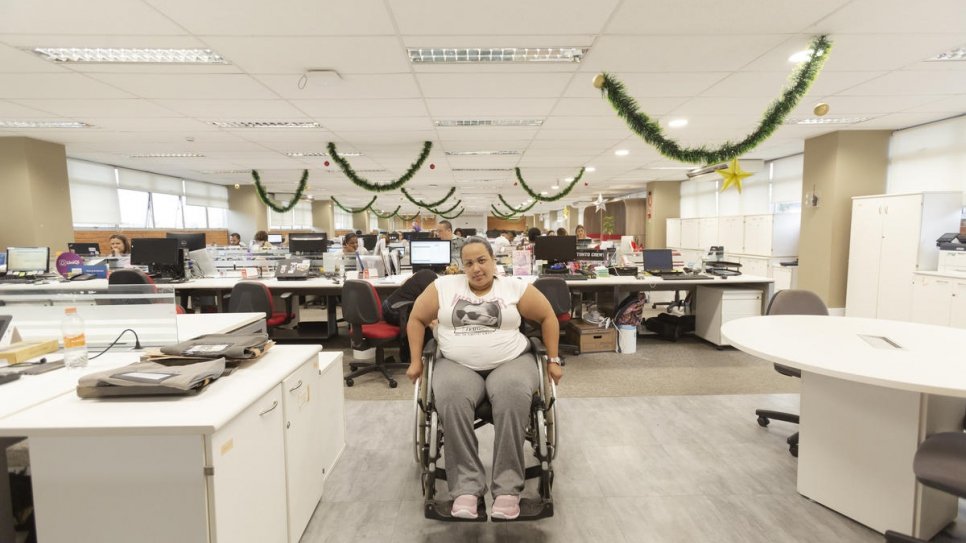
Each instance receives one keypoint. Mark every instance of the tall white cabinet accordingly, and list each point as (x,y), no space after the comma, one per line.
(893,236)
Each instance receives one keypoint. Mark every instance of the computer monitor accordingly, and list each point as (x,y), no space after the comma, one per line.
(306,245)
(373,262)
(202,263)
(658,260)
(555,248)
(469,232)
(3,262)
(394,237)
(307,235)
(161,255)
(430,252)
(275,239)
(190,241)
(28,259)
(369,241)
(84,249)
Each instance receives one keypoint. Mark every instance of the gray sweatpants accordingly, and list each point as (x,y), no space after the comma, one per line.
(458,390)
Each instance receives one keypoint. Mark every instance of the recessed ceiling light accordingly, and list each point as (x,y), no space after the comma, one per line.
(543,193)
(677,123)
(488,122)
(98,55)
(167,155)
(214,172)
(830,120)
(590,169)
(495,54)
(43,124)
(622,152)
(481,169)
(553,187)
(264,124)
(481,153)
(569,179)
(803,56)
(957,54)
(313,154)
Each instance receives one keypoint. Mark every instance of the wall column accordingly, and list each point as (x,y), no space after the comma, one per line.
(837,167)
(323,217)
(36,210)
(246,213)
(663,203)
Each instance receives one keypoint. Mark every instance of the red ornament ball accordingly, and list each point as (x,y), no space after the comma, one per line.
(586,184)
(326,163)
(514,183)
(432,166)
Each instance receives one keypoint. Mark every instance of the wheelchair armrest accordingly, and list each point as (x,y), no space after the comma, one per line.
(538,346)
(429,348)
(402,303)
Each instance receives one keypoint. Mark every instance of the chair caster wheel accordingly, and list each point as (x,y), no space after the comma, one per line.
(393,384)
(576,353)
(349,382)
(793,450)
(763,421)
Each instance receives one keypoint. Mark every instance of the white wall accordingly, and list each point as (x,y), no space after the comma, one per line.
(931,157)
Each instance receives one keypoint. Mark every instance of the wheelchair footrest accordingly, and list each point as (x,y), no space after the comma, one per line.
(442,510)
(532,509)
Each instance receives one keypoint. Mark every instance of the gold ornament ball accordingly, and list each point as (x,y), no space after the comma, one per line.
(821,109)
(599,81)
(237,186)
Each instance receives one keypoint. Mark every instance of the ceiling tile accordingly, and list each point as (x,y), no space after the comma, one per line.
(74,86)
(686,53)
(11,110)
(233,109)
(325,109)
(501,18)
(646,85)
(703,17)
(490,108)
(499,85)
(352,86)
(188,86)
(896,17)
(909,82)
(88,17)
(101,108)
(347,55)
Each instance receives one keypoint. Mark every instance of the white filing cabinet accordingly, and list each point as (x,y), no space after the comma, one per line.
(673,233)
(894,236)
(939,299)
(771,235)
(717,305)
(731,233)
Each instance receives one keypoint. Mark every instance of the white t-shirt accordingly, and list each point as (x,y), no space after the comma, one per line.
(480,332)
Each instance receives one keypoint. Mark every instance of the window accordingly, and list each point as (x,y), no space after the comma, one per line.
(217,217)
(134,208)
(343,219)
(166,210)
(930,157)
(302,215)
(93,194)
(195,216)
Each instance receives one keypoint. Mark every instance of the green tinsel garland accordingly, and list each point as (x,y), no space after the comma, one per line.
(536,195)
(428,205)
(382,215)
(650,130)
(410,218)
(451,216)
(444,211)
(375,187)
(517,210)
(353,210)
(502,215)
(267,200)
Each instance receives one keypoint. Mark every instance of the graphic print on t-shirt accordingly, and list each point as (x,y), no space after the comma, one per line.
(476,318)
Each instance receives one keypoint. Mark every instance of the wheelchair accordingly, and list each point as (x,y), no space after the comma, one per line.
(541,433)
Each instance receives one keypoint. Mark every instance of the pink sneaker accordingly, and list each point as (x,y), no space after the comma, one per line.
(465,507)
(506,507)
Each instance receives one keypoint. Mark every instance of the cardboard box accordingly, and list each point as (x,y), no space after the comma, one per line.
(591,339)
(16,353)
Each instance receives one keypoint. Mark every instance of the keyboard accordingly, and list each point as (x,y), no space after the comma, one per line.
(564,276)
(664,273)
(685,277)
(14,280)
(169,280)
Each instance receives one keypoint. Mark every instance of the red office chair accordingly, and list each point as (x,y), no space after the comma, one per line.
(254,297)
(558,294)
(134,276)
(362,309)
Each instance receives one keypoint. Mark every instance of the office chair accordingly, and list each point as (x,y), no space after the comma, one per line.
(790,302)
(556,291)
(362,309)
(254,297)
(134,276)
(940,463)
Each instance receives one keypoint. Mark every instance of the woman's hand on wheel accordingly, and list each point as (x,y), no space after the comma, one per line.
(415,370)
(555,371)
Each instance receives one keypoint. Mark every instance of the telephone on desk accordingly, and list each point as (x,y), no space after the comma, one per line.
(81,277)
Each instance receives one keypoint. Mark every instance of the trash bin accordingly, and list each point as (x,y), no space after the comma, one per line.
(627,338)
(366,355)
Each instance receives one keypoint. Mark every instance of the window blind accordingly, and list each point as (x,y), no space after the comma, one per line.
(93,193)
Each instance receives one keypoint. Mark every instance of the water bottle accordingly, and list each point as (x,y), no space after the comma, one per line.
(75,342)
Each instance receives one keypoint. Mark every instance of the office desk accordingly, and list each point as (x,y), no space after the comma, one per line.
(865,410)
(245,460)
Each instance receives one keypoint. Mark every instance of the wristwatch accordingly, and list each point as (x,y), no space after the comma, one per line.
(554,360)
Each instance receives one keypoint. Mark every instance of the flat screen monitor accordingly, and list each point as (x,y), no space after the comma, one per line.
(307,245)
(84,249)
(275,239)
(307,235)
(3,262)
(155,252)
(28,259)
(429,252)
(658,259)
(374,262)
(369,241)
(204,265)
(555,248)
(190,241)
(469,232)
(394,237)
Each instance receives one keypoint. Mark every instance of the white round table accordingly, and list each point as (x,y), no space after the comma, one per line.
(872,390)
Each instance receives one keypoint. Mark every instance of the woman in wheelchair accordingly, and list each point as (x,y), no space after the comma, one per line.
(483,355)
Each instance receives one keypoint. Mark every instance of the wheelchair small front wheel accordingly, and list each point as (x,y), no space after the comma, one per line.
(393,383)
(349,382)
(763,421)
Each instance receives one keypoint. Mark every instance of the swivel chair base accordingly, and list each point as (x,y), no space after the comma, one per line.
(765,416)
(383,367)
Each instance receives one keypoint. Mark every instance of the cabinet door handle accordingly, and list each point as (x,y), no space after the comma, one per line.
(298,386)
(270,409)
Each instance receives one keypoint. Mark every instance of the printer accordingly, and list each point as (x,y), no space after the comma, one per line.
(952,253)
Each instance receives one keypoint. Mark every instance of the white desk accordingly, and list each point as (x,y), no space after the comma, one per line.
(865,410)
(193,325)
(245,460)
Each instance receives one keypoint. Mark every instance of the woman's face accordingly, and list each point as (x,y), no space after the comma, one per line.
(351,246)
(580,232)
(117,246)
(478,266)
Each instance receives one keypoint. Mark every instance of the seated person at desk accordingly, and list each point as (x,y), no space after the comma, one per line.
(445,232)
(120,245)
(503,242)
(580,232)
(483,355)
(459,233)
(260,241)
(350,245)
(561,231)
(234,239)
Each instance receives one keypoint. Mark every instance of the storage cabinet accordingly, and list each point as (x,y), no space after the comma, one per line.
(707,233)
(771,235)
(673,233)
(731,233)
(690,234)
(892,237)
(938,299)
(717,305)
(304,446)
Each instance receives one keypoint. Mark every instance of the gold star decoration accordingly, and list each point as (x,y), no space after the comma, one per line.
(733,175)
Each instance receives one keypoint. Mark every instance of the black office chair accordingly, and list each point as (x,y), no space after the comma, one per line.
(255,297)
(940,463)
(362,309)
(133,276)
(558,294)
(790,302)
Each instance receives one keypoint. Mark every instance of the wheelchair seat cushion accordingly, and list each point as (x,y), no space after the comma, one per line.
(380,330)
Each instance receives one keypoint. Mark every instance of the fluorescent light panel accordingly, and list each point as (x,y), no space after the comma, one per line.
(43,124)
(312,154)
(167,155)
(481,153)
(830,120)
(958,54)
(103,55)
(488,122)
(487,55)
(265,124)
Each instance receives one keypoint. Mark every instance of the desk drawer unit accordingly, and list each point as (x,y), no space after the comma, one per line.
(716,306)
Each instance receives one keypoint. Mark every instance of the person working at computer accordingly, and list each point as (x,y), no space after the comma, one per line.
(444,230)
(234,239)
(120,245)
(561,231)
(580,232)
(260,241)
(483,355)
(503,242)
(459,233)
(350,245)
